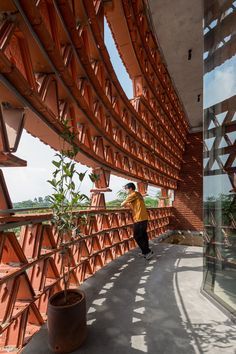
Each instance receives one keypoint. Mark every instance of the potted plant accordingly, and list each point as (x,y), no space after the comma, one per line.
(67,308)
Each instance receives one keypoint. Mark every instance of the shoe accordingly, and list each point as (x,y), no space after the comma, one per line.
(149,255)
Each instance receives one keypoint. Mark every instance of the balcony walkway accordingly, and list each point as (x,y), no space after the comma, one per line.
(136,306)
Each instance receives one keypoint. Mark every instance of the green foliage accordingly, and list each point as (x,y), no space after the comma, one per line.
(222,209)
(94,177)
(121,195)
(66,197)
(40,202)
(151,202)
(66,183)
(114,203)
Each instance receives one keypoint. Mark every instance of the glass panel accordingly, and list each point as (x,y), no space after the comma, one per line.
(220,151)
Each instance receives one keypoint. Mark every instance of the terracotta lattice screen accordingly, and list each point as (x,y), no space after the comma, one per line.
(54,65)
(31,268)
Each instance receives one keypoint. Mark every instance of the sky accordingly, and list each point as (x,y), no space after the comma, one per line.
(29,182)
(220,84)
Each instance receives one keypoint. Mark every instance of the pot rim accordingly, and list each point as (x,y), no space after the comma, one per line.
(66,306)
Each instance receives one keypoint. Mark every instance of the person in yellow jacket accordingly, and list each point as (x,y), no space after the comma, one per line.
(135,201)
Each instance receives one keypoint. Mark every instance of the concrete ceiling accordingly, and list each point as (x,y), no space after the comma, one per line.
(178,28)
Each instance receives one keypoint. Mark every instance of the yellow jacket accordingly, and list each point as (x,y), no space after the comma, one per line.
(136,202)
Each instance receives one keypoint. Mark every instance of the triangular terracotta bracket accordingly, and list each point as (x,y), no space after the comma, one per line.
(10,160)
(5,200)
(11,124)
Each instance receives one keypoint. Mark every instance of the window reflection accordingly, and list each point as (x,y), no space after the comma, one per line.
(220,151)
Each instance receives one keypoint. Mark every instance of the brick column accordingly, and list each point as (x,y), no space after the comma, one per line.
(188,211)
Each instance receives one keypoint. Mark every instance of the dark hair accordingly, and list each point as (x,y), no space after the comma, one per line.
(130,185)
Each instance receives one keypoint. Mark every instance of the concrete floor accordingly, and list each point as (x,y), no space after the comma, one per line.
(137,306)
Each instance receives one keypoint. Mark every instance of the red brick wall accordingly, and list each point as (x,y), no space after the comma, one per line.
(188,197)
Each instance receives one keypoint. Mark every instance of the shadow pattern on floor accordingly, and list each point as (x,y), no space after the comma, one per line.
(137,306)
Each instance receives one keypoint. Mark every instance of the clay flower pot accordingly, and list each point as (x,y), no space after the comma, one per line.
(67,328)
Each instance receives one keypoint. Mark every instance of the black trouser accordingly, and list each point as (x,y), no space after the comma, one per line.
(141,236)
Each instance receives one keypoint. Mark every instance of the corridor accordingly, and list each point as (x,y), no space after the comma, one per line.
(137,306)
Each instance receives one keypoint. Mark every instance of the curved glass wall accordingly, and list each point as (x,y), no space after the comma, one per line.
(220,151)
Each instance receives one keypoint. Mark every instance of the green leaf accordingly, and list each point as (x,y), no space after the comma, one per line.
(94,177)
(56,163)
(59,197)
(83,197)
(71,186)
(53,182)
(74,200)
(81,175)
(72,168)
(55,173)
(67,171)
(58,155)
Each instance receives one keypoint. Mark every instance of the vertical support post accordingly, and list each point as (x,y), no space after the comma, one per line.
(164,198)
(101,186)
(142,188)
(138,86)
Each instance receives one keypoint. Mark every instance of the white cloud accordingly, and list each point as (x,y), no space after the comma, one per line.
(220,84)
